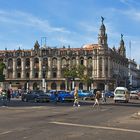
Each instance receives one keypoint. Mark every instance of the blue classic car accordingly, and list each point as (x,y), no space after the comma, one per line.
(60,95)
(82,93)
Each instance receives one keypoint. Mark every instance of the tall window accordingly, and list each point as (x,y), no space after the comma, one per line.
(54,74)
(18,75)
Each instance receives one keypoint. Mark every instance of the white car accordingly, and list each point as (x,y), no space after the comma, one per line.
(134,95)
(121,94)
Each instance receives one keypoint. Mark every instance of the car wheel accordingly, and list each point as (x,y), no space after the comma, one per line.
(25,99)
(35,100)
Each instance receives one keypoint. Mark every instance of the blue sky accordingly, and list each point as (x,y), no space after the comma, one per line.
(69,22)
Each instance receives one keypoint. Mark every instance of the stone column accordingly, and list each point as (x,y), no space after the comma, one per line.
(86,65)
(58,68)
(49,68)
(14,68)
(22,68)
(5,72)
(93,66)
(103,67)
(97,66)
(40,67)
(77,61)
(108,66)
(31,68)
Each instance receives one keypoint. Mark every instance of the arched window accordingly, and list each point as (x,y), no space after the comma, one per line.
(73,61)
(19,62)
(81,86)
(18,75)
(62,86)
(64,62)
(36,63)
(35,86)
(27,63)
(27,75)
(36,75)
(53,86)
(54,74)
(82,61)
(54,62)
(10,63)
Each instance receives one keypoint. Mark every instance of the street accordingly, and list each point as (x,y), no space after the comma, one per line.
(62,121)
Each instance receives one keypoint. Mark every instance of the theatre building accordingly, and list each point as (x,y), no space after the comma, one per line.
(42,67)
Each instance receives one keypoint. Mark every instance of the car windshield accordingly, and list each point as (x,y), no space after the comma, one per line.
(120,92)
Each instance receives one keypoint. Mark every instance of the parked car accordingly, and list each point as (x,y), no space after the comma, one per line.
(134,95)
(109,94)
(60,95)
(83,94)
(36,96)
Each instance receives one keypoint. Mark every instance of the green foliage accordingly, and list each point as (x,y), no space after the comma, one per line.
(74,71)
(2,77)
(70,72)
(2,67)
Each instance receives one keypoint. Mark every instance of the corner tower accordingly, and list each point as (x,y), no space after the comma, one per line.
(102,36)
(122,50)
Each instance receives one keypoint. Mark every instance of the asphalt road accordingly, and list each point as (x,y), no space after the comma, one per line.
(62,121)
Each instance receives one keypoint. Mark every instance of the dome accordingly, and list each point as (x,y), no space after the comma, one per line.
(90,46)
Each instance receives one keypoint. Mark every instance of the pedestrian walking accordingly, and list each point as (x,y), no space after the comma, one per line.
(55,97)
(8,95)
(97,98)
(4,97)
(76,101)
(103,97)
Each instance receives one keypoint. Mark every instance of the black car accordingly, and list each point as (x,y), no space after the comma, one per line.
(36,96)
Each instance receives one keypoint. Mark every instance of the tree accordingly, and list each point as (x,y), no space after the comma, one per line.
(2,67)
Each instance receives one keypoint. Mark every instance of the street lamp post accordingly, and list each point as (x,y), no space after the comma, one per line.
(27,86)
(73,83)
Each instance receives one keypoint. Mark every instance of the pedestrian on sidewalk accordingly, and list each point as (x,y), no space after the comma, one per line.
(4,97)
(97,98)
(103,97)
(76,101)
(8,95)
(55,97)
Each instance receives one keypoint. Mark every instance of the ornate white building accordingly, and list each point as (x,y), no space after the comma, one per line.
(42,67)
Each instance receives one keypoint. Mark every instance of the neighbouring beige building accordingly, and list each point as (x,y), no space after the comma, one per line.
(42,67)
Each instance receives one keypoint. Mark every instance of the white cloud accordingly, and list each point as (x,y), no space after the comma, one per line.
(26,19)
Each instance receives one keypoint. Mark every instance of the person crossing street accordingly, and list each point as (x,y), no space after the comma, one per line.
(76,101)
(97,98)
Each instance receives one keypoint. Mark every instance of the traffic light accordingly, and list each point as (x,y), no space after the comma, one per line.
(2,78)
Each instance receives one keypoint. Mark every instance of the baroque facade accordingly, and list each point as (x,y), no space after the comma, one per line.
(42,67)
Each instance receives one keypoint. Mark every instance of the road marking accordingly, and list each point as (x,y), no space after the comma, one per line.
(96,127)
(6,132)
